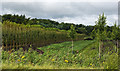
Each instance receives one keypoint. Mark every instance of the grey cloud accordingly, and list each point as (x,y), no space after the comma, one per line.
(54,10)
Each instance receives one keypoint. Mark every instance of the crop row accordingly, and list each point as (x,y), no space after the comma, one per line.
(19,35)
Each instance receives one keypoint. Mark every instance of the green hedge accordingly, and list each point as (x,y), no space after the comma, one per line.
(19,35)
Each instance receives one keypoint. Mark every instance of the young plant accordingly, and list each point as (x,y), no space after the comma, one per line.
(115,35)
(72,34)
(101,32)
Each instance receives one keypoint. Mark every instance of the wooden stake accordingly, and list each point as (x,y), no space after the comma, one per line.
(72,46)
(99,49)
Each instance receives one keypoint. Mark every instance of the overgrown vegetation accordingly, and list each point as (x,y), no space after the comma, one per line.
(96,48)
(47,23)
(101,33)
(19,35)
(60,56)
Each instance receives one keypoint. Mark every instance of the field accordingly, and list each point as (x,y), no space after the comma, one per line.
(46,44)
(60,56)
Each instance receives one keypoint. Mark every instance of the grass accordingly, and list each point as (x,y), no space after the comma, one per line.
(60,56)
(66,46)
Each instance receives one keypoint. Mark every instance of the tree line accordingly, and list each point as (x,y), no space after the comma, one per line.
(47,23)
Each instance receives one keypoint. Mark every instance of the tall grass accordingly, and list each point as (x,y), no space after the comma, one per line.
(19,35)
(60,56)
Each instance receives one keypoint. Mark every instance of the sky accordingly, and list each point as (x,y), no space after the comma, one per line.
(68,11)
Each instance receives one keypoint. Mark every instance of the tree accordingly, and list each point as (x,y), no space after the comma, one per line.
(101,31)
(72,34)
(115,35)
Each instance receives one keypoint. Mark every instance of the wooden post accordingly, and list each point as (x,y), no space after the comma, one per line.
(117,45)
(99,48)
(6,45)
(72,46)
(10,46)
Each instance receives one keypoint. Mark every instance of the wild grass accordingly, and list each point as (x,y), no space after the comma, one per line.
(60,56)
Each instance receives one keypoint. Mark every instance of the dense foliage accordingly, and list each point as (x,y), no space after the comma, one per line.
(59,56)
(27,29)
(102,31)
(47,23)
(19,31)
(20,35)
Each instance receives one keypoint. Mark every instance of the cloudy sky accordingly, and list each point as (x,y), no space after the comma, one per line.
(77,12)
